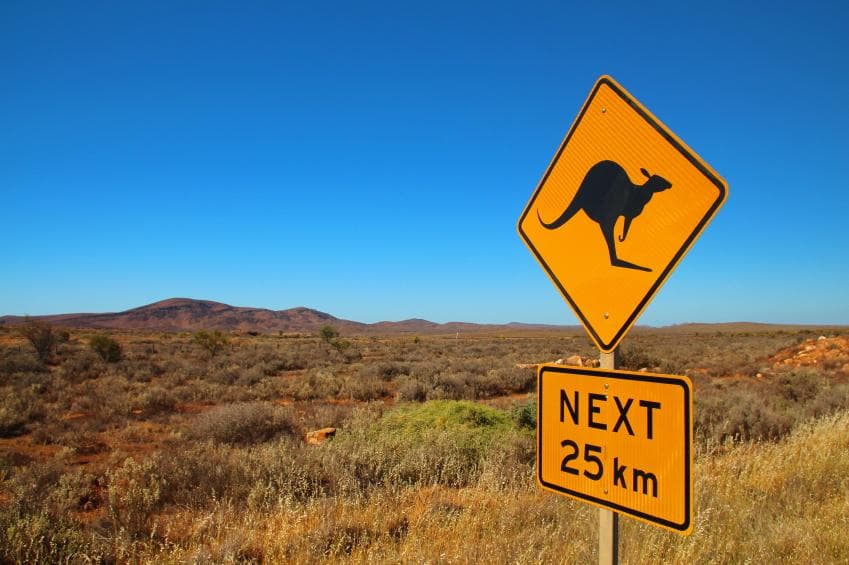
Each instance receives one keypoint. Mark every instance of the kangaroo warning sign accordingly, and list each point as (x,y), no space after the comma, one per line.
(618,207)
(618,439)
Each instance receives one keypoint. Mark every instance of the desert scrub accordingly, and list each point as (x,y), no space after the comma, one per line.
(242,423)
(259,476)
(38,537)
(460,416)
(439,442)
(42,337)
(317,384)
(411,389)
(106,347)
(155,400)
(80,366)
(211,341)
(513,379)
(635,358)
(770,502)
(139,368)
(525,414)
(386,370)
(767,408)
(14,360)
(135,493)
(18,407)
(363,389)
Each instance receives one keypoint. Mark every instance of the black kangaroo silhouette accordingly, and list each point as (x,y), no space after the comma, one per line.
(607,193)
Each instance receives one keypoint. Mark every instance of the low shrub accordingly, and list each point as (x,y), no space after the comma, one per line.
(242,423)
(38,537)
(438,442)
(477,422)
(213,342)
(386,371)
(83,365)
(328,333)
(156,400)
(14,360)
(635,358)
(318,384)
(106,347)
(411,389)
(525,415)
(42,338)
(140,369)
(17,409)
(363,389)
(135,492)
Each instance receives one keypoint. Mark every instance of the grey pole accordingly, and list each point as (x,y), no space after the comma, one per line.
(608,520)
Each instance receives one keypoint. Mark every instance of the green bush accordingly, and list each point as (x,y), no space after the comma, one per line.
(328,333)
(438,442)
(461,417)
(525,415)
(108,348)
(213,342)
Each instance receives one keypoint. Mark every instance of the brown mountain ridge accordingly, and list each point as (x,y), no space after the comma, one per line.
(186,314)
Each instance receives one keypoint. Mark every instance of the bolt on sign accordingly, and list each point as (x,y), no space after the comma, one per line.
(618,207)
(618,439)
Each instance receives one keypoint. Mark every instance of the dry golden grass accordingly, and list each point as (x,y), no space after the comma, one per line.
(146,459)
(761,503)
(756,502)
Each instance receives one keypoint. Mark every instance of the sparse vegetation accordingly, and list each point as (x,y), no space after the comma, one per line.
(330,336)
(106,347)
(177,453)
(41,337)
(213,342)
(328,333)
(242,423)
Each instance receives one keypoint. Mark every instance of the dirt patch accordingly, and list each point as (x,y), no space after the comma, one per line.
(194,407)
(824,353)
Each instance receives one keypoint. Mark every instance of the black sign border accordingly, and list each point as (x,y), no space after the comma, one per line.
(689,155)
(640,377)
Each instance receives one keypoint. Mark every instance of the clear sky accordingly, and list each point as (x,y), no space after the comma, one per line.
(371,159)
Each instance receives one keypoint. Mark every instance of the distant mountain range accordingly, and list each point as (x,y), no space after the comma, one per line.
(186,314)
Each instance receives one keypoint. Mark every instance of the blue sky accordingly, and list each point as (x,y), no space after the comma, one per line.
(371,159)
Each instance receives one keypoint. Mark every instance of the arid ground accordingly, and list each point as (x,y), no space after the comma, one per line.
(133,446)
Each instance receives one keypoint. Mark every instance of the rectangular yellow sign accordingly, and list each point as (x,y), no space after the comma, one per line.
(618,439)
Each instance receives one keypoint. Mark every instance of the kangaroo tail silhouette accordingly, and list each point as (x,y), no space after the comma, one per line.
(567,214)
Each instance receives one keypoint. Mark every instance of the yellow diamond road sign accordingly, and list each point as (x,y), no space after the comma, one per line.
(618,439)
(618,207)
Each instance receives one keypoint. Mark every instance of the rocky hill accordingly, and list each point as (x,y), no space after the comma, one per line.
(186,314)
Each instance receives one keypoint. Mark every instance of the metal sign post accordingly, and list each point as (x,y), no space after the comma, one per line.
(608,520)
